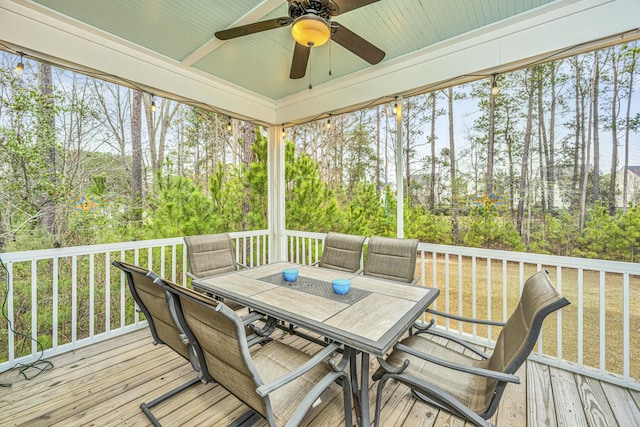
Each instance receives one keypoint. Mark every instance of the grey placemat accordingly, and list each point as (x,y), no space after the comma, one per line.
(317,287)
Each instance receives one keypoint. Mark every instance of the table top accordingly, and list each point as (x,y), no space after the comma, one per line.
(371,322)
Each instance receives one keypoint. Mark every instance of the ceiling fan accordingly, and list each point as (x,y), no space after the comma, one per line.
(312,27)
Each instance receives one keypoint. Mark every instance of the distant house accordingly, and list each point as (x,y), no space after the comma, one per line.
(633,186)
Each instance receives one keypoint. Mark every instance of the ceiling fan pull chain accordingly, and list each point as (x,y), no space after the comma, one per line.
(330,55)
(310,85)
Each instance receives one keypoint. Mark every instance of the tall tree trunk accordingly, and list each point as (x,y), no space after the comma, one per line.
(525,151)
(542,148)
(406,117)
(576,151)
(452,161)
(551,162)
(596,133)
(432,191)
(136,154)
(490,144)
(249,138)
(631,69)
(614,138)
(591,129)
(47,136)
(378,150)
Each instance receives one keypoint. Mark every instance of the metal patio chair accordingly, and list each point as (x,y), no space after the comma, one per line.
(470,386)
(392,259)
(152,302)
(210,255)
(278,382)
(342,252)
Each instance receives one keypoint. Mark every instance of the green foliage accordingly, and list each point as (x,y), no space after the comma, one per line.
(485,229)
(611,237)
(427,227)
(179,208)
(554,234)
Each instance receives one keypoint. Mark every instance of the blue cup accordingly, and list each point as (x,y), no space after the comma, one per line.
(341,286)
(290,274)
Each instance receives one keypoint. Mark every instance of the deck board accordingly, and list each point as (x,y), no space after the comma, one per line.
(104,384)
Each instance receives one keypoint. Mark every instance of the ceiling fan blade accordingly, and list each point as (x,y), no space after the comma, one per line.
(347,5)
(356,44)
(256,27)
(299,62)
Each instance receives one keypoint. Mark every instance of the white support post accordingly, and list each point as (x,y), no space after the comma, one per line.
(399,171)
(276,181)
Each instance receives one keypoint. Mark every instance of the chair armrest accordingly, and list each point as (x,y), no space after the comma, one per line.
(192,276)
(414,281)
(500,376)
(265,389)
(239,264)
(464,319)
(463,343)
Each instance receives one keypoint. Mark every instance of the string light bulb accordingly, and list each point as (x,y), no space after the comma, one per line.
(329,122)
(283,131)
(229,124)
(395,108)
(19,70)
(494,85)
(153,104)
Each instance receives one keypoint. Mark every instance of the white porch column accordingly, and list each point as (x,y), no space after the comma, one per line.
(399,171)
(275,194)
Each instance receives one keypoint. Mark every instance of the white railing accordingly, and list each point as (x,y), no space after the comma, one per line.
(72,297)
(68,298)
(593,336)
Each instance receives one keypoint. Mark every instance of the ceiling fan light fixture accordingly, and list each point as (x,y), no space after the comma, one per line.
(310,30)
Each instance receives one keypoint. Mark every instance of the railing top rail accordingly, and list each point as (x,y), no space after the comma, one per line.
(105,247)
(530,258)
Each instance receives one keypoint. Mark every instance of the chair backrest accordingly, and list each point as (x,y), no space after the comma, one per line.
(342,252)
(391,258)
(210,254)
(151,300)
(221,335)
(516,340)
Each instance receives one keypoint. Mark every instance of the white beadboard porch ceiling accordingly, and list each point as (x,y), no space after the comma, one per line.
(169,47)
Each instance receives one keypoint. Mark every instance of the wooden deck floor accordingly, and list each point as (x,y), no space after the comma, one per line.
(104,384)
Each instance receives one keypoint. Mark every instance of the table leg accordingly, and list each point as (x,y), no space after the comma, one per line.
(360,389)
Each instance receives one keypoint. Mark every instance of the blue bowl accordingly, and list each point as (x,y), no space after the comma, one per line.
(341,286)
(290,274)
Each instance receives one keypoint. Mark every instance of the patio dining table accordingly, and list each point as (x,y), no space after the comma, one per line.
(369,319)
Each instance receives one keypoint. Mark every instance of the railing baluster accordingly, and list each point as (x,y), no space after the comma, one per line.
(173,263)
(580,317)
(626,330)
(92,296)
(489,301)
(74,299)
(559,315)
(11,285)
(34,305)
(474,296)
(460,291)
(107,293)
(54,299)
(602,312)
(446,287)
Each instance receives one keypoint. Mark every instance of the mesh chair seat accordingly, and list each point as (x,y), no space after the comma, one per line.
(391,259)
(342,252)
(211,255)
(278,382)
(464,385)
